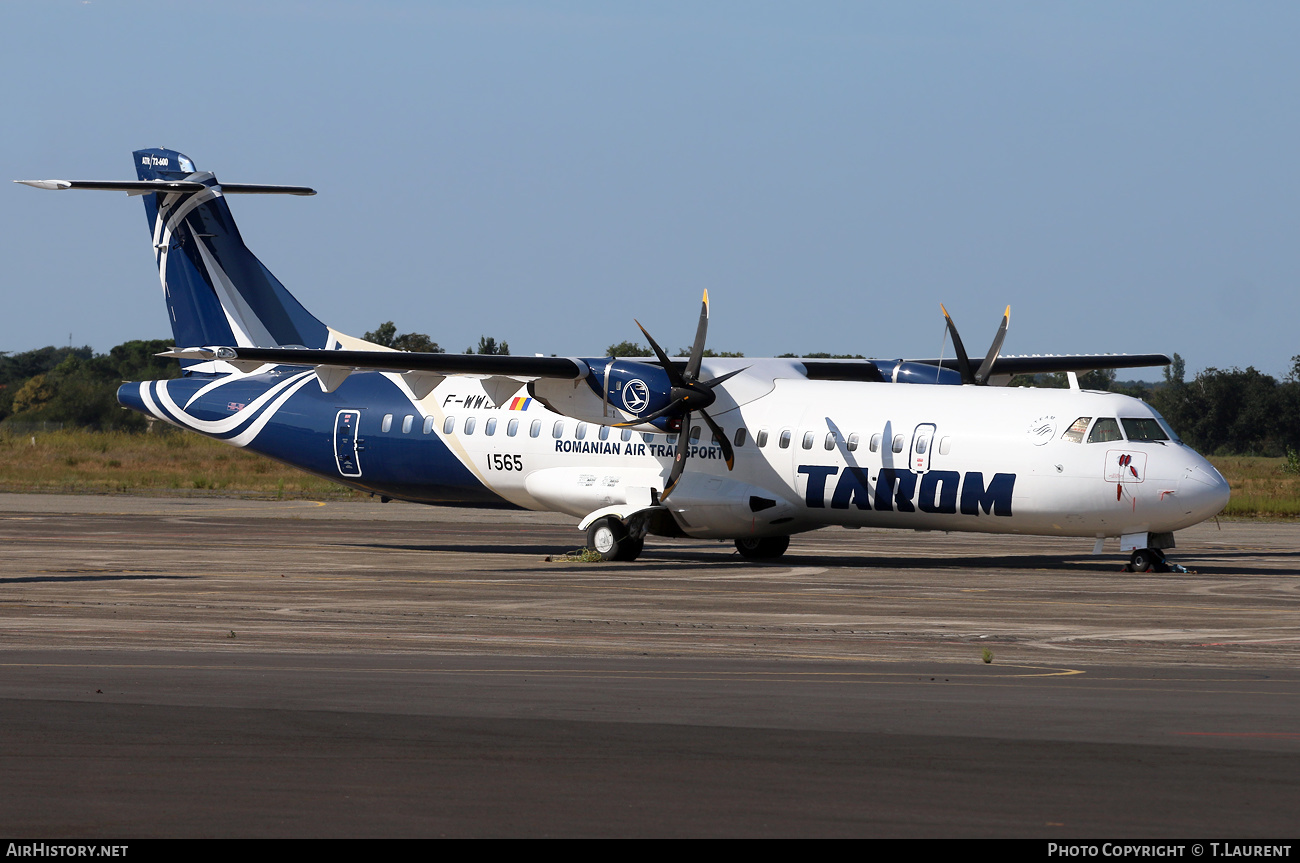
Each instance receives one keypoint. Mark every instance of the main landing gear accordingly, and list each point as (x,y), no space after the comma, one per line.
(1151,560)
(609,538)
(762,547)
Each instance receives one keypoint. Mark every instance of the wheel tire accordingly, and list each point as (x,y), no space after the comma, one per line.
(630,549)
(608,538)
(1142,560)
(762,547)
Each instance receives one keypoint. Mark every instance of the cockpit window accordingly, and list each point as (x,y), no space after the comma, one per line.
(1169,430)
(1143,428)
(1105,429)
(1074,434)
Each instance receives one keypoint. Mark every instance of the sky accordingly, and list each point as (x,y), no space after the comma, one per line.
(1125,175)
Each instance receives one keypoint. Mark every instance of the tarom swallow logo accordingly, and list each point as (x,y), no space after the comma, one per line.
(636,395)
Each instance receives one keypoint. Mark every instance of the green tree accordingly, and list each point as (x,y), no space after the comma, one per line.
(386,334)
(33,395)
(138,361)
(17,369)
(627,349)
(488,345)
(1175,371)
(81,389)
(1230,412)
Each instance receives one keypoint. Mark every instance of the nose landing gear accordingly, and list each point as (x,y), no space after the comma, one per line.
(1152,560)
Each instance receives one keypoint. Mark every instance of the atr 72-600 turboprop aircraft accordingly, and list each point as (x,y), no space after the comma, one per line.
(752,450)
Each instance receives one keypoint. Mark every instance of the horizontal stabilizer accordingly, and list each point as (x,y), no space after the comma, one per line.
(145,187)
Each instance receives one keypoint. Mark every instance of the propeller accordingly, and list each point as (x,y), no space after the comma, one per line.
(688,395)
(979,377)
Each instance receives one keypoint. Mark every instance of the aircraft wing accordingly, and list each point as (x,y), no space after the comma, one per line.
(571,368)
(483,365)
(423,372)
(1004,366)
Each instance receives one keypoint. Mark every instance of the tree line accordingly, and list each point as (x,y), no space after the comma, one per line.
(1218,412)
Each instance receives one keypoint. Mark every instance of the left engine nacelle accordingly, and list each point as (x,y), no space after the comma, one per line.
(614,391)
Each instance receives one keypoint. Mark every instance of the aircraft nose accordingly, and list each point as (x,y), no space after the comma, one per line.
(1205,487)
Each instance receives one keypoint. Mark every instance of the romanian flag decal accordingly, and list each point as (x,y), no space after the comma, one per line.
(520,403)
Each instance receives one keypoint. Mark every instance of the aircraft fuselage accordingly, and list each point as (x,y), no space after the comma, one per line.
(832,453)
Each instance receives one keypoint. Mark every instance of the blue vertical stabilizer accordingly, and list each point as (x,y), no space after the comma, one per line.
(217,291)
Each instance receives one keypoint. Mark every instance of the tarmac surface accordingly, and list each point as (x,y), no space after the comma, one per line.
(193,667)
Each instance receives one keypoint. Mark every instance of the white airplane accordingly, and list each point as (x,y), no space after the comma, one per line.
(751,450)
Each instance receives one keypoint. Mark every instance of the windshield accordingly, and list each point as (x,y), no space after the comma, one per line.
(1143,428)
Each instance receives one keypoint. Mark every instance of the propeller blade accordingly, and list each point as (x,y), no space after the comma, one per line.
(727,452)
(673,376)
(697,349)
(679,456)
(715,381)
(986,367)
(963,361)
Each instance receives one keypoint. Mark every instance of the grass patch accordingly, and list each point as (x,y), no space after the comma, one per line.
(581,555)
(1261,487)
(168,460)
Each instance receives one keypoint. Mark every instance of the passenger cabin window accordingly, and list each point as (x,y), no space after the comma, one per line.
(512,427)
(1074,434)
(603,434)
(557,430)
(898,443)
(387,424)
(784,442)
(647,437)
(491,427)
(449,425)
(469,425)
(922,443)
(625,435)
(428,425)
(535,429)
(1104,431)
(695,435)
(740,437)
(829,443)
(945,445)
(761,440)
(808,439)
(580,432)
(874,446)
(408,422)
(1143,428)
(853,443)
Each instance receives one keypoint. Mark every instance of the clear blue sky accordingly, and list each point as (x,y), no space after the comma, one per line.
(1123,174)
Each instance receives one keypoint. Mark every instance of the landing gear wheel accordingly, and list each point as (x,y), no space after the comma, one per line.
(608,538)
(1148,560)
(762,547)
